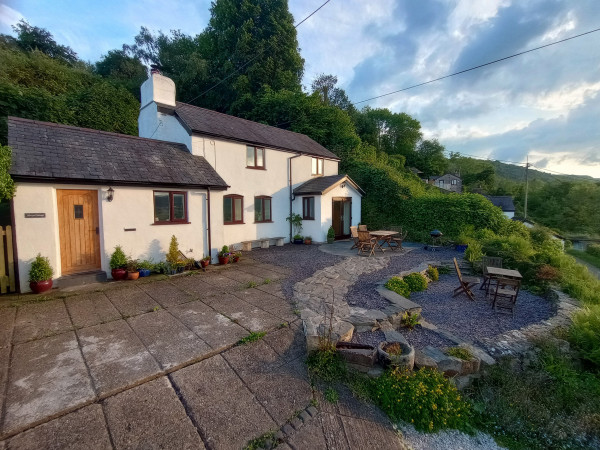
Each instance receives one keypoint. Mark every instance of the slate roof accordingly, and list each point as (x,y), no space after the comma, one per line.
(320,185)
(53,152)
(212,123)
(505,202)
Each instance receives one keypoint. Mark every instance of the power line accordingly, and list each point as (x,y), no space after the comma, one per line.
(254,58)
(477,67)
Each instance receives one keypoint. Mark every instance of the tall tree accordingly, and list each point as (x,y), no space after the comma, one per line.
(251,45)
(123,70)
(330,94)
(30,38)
(430,158)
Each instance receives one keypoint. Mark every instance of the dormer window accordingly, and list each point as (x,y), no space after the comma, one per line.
(317,166)
(255,157)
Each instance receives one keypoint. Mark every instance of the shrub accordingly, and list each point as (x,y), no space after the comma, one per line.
(474,251)
(416,282)
(224,251)
(399,286)
(584,334)
(118,259)
(326,364)
(433,273)
(593,249)
(410,320)
(146,264)
(461,353)
(40,270)
(548,273)
(424,398)
(173,255)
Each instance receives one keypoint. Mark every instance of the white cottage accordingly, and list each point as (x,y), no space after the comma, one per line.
(208,178)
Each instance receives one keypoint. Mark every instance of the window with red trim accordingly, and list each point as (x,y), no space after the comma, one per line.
(308,208)
(255,157)
(170,207)
(262,209)
(233,209)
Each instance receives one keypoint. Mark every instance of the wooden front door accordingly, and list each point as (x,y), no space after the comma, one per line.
(78,228)
(342,216)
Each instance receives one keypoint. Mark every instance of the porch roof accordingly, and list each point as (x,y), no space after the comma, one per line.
(322,185)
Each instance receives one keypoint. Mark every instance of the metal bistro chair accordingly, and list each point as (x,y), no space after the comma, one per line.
(354,235)
(505,297)
(489,261)
(366,243)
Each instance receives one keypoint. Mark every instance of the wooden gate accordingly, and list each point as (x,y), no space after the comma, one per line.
(7,261)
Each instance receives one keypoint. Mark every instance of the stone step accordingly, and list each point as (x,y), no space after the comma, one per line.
(81,279)
(401,302)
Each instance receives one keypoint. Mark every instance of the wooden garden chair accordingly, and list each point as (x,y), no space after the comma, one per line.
(489,261)
(354,235)
(366,242)
(362,228)
(505,295)
(466,283)
(398,238)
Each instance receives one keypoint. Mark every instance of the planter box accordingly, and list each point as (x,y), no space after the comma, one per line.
(361,354)
(405,360)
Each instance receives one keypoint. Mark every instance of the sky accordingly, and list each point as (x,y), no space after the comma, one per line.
(544,105)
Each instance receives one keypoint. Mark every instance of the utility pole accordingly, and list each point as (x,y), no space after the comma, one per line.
(526,184)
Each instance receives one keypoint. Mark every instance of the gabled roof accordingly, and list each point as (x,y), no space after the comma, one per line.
(213,123)
(505,202)
(43,151)
(322,185)
(446,175)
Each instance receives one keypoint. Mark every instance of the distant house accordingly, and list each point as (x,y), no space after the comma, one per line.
(416,171)
(448,182)
(504,202)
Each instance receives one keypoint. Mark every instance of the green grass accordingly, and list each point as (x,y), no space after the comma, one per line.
(590,259)
(252,337)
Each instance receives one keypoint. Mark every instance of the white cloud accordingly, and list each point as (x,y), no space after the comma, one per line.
(8,17)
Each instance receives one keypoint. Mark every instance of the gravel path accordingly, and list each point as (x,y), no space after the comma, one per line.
(303,260)
(449,439)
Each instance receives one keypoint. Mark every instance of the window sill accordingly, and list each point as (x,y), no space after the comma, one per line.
(316,174)
(256,168)
(171,223)
(234,223)
(308,218)
(263,221)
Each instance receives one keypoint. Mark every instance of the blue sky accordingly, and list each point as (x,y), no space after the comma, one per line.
(545,104)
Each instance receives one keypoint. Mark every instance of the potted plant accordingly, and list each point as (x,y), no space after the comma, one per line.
(118,262)
(132,269)
(204,262)
(307,240)
(296,221)
(224,255)
(330,235)
(40,274)
(398,354)
(145,267)
(236,256)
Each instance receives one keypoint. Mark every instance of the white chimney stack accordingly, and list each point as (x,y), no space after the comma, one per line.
(158,89)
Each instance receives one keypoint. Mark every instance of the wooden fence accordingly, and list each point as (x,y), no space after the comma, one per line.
(7,261)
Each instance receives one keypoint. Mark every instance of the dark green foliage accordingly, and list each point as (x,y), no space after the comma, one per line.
(326,364)
(7,185)
(430,158)
(433,273)
(593,249)
(30,38)
(118,259)
(585,334)
(399,286)
(123,70)
(585,256)
(252,337)
(40,270)
(424,398)
(548,402)
(416,282)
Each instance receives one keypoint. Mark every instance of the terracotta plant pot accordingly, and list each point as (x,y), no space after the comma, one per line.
(236,259)
(118,274)
(204,263)
(308,241)
(133,275)
(223,260)
(40,286)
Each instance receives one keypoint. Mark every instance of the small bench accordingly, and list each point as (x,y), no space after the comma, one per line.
(262,243)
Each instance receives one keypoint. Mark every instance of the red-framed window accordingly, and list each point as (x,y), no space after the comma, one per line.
(262,209)
(317,166)
(170,207)
(233,209)
(308,208)
(255,157)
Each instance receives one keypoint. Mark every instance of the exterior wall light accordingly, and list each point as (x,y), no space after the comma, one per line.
(110,194)
(343,185)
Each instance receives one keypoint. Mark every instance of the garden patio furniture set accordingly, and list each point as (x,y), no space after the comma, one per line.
(369,241)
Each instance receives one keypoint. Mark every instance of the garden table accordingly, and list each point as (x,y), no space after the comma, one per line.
(385,237)
(495,273)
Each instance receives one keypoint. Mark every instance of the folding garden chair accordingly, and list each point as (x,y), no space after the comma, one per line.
(466,283)
(366,243)
(354,235)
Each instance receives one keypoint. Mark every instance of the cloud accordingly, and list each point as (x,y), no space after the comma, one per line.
(8,17)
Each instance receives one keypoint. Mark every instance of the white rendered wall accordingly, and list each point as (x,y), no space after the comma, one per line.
(158,89)
(164,127)
(327,205)
(312,228)
(132,207)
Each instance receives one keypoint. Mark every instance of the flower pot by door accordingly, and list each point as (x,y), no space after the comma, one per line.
(118,274)
(133,275)
(40,286)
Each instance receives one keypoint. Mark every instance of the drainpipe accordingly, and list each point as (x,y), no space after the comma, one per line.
(208,220)
(290,186)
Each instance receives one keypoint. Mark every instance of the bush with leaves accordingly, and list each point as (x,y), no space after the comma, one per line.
(173,254)
(416,281)
(424,398)
(118,259)
(433,273)
(593,249)
(585,334)
(40,270)
(399,286)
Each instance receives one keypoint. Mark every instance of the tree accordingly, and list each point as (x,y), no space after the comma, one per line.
(7,185)
(123,70)
(430,158)
(325,86)
(34,38)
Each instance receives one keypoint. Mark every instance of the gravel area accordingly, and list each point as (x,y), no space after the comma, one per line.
(449,439)
(419,337)
(363,293)
(369,338)
(303,260)
(475,320)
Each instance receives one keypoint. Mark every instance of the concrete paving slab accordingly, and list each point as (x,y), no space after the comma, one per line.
(150,416)
(333,430)
(253,360)
(131,301)
(91,309)
(7,325)
(241,276)
(170,342)
(194,285)
(273,289)
(82,429)
(117,358)
(38,320)
(309,436)
(289,342)
(226,412)
(47,377)
(367,434)
(274,267)
(166,293)
(212,327)
(260,299)
(263,274)
(247,315)
(222,282)
(4,363)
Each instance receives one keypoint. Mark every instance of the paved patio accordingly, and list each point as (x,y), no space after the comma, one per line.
(156,365)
